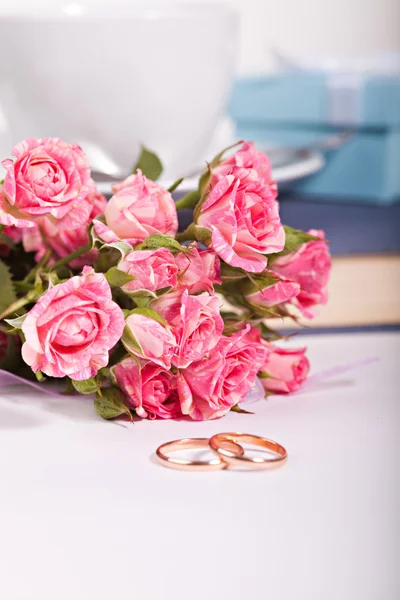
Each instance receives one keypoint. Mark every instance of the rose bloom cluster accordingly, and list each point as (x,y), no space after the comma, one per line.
(151,324)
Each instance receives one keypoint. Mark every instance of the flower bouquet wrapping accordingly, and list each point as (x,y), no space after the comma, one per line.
(153,321)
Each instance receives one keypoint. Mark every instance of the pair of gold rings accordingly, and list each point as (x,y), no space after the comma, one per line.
(227,450)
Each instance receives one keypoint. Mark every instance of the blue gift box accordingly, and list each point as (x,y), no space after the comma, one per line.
(297,108)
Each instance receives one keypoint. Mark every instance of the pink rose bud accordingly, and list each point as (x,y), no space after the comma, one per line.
(147,338)
(198,270)
(274,294)
(248,157)
(284,369)
(153,269)
(64,241)
(243,217)
(49,177)
(139,208)
(195,321)
(72,327)
(150,389)
(310,267)
(14,234)
(210,387)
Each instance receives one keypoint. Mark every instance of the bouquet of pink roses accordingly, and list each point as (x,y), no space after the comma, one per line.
(154,322)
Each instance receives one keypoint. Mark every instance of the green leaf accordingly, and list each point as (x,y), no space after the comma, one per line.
(17,322)
(257,283)
(88,386)
(8,295)
(237,409)
(160,241)
(175,184)
(108,257)
(293,240)
(149,164)
(123,247)
(130,342)
(110,403)
(139,296)
(142,301)
(117,278)
(228,272)
(163,291)
(150,313)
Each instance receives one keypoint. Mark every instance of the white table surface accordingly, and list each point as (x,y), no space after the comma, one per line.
(85,513)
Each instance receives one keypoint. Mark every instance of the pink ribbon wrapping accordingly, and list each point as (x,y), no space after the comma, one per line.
(7,379)
(337,370)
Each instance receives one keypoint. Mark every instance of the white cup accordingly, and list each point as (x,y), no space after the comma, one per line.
(110,77)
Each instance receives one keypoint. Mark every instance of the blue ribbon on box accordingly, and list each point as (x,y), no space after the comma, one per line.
(344,107)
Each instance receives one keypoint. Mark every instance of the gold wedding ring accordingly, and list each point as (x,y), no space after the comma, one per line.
(215,464)
(217,443)
(228,452)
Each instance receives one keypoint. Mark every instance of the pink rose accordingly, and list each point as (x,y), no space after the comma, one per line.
(151,389)
(198,270)
(195,321)
(276,293)
(48,178)
(284,369)
(309,266)
(153,269)
(210,387)
(72,327)
(248,157)
(64,241)
(139,208)
(243,217)
(147,338)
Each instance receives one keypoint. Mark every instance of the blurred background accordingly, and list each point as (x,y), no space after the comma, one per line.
(316,84)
